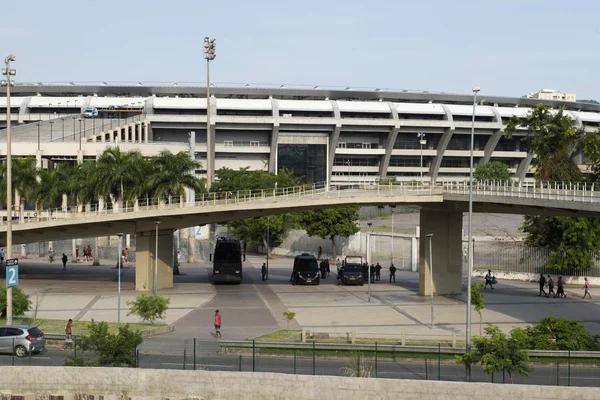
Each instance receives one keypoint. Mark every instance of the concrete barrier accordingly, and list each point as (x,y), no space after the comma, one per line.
(32,383)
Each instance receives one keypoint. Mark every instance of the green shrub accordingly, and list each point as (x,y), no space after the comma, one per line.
(103,349)
(149,307)
(21,301)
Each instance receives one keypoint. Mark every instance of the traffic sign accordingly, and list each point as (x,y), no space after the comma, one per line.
(12,272)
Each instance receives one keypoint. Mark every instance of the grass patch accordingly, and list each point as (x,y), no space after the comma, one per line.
(280,335)
(79,327)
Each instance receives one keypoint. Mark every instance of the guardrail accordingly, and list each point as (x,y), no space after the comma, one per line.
(376,347)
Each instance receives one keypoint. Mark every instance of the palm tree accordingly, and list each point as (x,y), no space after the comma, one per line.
(173,174)
(49,190)
(118,174)
(24,175)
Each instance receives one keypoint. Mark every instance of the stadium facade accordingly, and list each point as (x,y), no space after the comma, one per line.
(335,135)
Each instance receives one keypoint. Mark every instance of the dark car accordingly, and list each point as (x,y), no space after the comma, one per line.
(21,340)
(352,271)
(306,270)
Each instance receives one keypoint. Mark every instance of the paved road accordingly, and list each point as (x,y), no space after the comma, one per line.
(399,369)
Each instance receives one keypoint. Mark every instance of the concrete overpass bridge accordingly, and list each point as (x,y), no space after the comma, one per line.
(442,207)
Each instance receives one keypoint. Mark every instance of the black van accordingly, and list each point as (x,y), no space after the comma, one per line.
(352,271)
(306,270)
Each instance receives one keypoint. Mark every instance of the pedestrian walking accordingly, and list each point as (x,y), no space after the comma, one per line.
(489,279)
(126,252)
(560,292)
(586,289)
(392,273)
(68,336)
(263,271)
(217,324)
(542,283)
(64,260)
(339,265)
(1,256)
(377,272)
(372,273)
(550,287)
(51,255)
(320,252)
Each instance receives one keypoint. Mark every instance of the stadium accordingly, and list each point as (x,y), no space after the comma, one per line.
(324,134)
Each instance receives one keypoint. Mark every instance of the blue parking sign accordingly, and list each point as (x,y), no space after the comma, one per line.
(12,272)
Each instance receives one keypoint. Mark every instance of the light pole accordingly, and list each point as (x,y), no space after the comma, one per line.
(80,133)
(63,135)
(422,142)
(209,55)
(268,244)
(368,263)
(348,164)
(39,125)
(470,232)
(156,261)
(74,118)
(392,208)
(119,268)
(51,123)
(8,72)
(429,237)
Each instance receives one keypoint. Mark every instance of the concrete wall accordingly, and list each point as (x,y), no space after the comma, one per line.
(115,383)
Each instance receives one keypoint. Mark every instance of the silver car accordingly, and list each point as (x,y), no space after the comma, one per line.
(21,340)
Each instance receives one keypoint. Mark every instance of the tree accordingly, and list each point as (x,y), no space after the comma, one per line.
(242,182)
(149,307)
(553,137)
(21,301)
(554,333)
(173,174)
(492,171)
(358,367)
(498,352)
(118,173)
(478,301)
(331,222)
(289,316)
(103,349)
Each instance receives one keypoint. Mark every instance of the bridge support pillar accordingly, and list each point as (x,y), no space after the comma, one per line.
(447,255)
(145,257)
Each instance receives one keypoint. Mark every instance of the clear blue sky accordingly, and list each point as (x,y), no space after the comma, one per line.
(507,47)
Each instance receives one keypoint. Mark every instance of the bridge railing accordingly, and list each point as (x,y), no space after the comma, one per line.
(584,192)
(225,198)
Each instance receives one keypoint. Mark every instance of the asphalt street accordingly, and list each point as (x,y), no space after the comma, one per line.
(546,374)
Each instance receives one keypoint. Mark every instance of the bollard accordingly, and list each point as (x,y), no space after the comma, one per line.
(303,336)
(194,354)
(403,339)
(353,336)
(453,339)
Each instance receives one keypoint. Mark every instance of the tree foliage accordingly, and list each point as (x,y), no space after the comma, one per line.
(103,349)
(497,352)
(556,334)
(331,222)
(20,300)
(149,307)
(478,302)
(492,171)
(553,137)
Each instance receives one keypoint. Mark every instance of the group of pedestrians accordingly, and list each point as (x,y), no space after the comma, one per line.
(375,271)
(548,282)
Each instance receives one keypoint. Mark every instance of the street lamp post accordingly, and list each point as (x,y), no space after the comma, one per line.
(51,124)
(119,268)
(74,136)
(209,55)
(392,208)
(268,244)
(470,231)
(422,142)
(80,133)
(156,261)
(368,263)
(348,164)
(39,125)
(8,72)
(430,237)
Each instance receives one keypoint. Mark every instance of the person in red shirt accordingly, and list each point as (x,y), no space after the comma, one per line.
(217,324)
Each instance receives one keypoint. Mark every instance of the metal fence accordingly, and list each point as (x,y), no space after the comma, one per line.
(517,257)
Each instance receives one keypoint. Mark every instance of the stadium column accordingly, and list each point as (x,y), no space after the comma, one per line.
(390,141)
(333,140)
(274,137)
(447,256)
(434,168)
(492,142)
(145,259)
